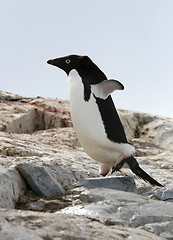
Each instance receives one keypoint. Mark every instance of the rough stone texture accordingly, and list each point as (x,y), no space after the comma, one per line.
(124,209)
(40,181)
(12,187)
(38,226)
(120,207)
(39,131)
(29,115)
(118,183)
(9,96)
(44,205)
(165,194)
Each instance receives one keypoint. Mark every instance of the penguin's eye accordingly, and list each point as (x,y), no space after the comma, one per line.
(67,61)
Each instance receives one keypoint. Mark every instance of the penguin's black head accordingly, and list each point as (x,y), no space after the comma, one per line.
(86,68)
(69,62)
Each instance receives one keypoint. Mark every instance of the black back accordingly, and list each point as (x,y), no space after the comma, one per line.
(112,124)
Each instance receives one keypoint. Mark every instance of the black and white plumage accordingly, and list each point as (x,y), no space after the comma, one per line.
(95,118)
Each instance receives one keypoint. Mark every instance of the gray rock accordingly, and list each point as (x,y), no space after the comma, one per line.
(143,118)
(11,187)
(164,229)
(165,194)
(18,233)
(40,181)
(63,175)
(121,208)
(117,183)
(167,235)
(27,225)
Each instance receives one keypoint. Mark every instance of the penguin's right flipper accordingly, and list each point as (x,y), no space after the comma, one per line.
(134,166)
(105,88)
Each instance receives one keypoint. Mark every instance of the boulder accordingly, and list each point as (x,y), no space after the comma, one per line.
(12,187)
(40,181)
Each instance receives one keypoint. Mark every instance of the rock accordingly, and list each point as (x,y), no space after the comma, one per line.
(40,181)
(143,118)
(11,187)
(167,235)
(9,96)
(65,176)
(163,229)
(29,115)
(47,205)
(165,194)
(121,208)
(10,232)
(17,225)
(118,183)
(24,123)
(160,132)
(38,132)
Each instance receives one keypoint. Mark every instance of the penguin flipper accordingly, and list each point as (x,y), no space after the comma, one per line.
(105,88)
(134,166)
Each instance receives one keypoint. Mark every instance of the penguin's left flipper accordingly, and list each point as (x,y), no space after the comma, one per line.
(134,166)
(105,88)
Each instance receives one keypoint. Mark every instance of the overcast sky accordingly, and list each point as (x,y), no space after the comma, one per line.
(130,40)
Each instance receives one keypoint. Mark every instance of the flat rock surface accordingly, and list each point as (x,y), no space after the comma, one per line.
(118,183)
(38,132)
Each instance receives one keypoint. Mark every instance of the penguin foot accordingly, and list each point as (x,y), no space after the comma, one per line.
(104,173)
(118,165)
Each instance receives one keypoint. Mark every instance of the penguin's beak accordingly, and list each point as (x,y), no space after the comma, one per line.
(57,62)
(51,61)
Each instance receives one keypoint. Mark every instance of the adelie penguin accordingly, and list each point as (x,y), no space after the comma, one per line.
(95,118)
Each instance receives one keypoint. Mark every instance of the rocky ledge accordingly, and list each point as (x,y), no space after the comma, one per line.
(50,189)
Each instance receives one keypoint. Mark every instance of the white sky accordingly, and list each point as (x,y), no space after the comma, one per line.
(130,40)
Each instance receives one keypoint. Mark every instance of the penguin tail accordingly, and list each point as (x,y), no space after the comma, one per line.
(134,166)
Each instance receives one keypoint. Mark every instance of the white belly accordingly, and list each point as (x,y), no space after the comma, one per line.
(89,127)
